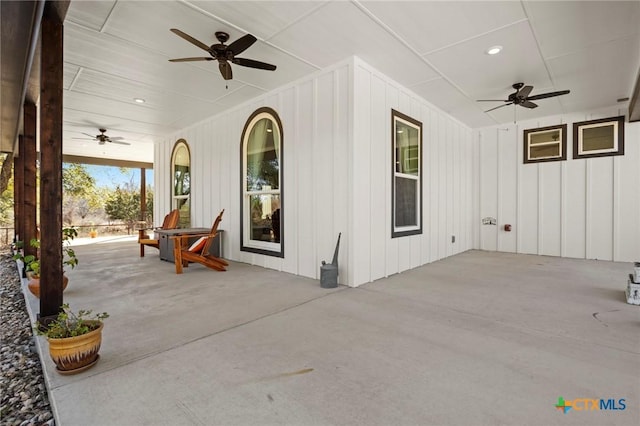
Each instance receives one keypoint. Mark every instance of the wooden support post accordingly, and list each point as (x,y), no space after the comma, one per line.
(18,190)
(29,142)
(143,194)
(51,85)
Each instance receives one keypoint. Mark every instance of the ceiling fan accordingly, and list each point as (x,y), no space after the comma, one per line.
(521,97)
(223,53)
(102,138)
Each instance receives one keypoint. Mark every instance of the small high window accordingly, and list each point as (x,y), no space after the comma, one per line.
(545,144)
(181,182)
(598,138)
(262,203)
(407,175)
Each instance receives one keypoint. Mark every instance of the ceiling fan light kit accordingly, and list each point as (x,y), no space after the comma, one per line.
(521,97)
(223,53)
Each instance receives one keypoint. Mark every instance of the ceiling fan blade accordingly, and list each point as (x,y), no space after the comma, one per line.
(85,139)
(87,134)
(528,104)
(242,44)
(225,70)
(500,106)
(116,138)
(254,64)
(524,92)
(118,142)
(491,100)
(190,39)
(190,59)
(548,95)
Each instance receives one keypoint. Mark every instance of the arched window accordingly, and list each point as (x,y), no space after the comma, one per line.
(262,202)
(181,181)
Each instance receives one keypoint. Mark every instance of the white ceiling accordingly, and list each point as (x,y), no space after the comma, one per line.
(116,51)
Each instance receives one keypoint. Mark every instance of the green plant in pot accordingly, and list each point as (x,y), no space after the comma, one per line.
(32,264)
(74,339)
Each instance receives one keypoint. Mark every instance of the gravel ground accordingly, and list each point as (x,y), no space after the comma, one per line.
(23,393)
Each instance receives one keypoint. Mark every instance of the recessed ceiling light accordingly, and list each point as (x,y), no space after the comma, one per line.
(494,50)
(139,100)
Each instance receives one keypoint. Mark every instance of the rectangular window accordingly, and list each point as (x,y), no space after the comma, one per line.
(545,144)
(407,175)
(598,138)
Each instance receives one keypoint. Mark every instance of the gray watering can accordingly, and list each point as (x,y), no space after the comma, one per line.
(329,271)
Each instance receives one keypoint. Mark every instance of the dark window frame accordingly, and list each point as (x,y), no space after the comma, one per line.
(562,143)
(247,248)
(411,121)
(577,127)
(178,143)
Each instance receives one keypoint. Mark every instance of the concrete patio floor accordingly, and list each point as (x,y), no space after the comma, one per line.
(480,338)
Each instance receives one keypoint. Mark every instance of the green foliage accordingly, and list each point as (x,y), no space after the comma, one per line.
(5,170)
(76,180)
(123,204)
(31,263)
(70,258)
(69,255)
(149,199)
(70,324)
(6,197)
(80,195)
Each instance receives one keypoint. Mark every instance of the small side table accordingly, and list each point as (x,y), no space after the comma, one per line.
(166,242)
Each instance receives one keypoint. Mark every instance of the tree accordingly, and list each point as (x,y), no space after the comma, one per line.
(124,204)
(76,180)
(5,171)
(149,204)
(6,204)
(80,195)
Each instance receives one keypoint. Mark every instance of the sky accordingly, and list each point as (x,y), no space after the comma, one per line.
(108,176)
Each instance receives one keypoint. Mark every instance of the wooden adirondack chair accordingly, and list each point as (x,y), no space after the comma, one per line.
(144,239)
(198,252)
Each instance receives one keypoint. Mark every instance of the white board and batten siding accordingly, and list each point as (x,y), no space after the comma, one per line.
(337,176)
(315,119)
(583,208)
(446,181)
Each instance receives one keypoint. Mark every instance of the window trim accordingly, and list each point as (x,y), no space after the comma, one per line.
(178,143)
(562,143)
(251,246)
(397,232)
(618,148)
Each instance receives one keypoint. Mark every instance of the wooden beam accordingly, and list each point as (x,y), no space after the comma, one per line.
(19,42)
(143,194)
(57,9)
(78,159)
(18,189)
(634,104)
(51,87)
(30,200)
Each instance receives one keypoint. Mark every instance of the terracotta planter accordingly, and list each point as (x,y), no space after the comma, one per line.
(34,285)
(75,354)
(93,234)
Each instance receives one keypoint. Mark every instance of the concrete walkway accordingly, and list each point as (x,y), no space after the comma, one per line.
(476,339)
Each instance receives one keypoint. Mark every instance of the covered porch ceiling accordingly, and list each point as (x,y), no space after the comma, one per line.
(117,51)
